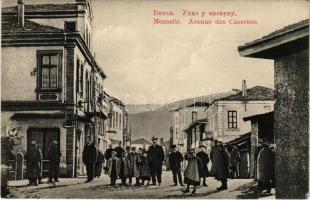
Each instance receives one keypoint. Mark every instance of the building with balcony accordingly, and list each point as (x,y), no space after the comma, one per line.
(181,119)
(52,86)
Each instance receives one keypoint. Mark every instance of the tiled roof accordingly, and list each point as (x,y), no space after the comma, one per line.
(141,141)
(279,32)
(41,8)
(10,25)
(257,93)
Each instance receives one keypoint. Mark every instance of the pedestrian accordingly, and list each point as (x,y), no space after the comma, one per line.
(41,165)
(156,157)
(234,162)
(220,164)
(99,163)
(124,168)
(89,159)
(266,167)
(33,158)
(191,173)
(113,168)
(53,156)
(143,167)
(108,152)
(133,159)
(203,156)
(175,159)
(119,150)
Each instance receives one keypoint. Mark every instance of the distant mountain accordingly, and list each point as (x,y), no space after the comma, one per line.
(156,120)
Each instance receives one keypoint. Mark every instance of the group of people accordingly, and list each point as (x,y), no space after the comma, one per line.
(142,165)
(33,159)
(197,166)
(146,165)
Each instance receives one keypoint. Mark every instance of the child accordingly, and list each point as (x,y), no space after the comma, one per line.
(144,168)
(114,168)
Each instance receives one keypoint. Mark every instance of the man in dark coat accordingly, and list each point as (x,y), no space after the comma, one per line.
(156,157)
(53,156)
(108,152)
(33,158)
(203,171)
(89,159)
(99,163)
(175,159)
(119,150)
(234,162)
(220,164)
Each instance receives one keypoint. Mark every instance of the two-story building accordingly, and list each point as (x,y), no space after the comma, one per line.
(225,115)
(183,117)
(52,86)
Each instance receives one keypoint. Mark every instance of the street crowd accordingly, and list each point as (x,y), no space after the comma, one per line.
(145,166)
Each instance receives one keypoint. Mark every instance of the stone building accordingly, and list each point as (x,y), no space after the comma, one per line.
(289,48)
(52,86)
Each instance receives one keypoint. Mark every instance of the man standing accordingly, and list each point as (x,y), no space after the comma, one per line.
(220,164)
(234,162)
(54,160)
(156,157)
(203,171)
(99,163)
(133,159)
(119,150)
(89,159)
(33,159)
(175,159)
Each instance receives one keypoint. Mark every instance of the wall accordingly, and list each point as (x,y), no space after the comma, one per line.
(225,134)
(291,125)
(6,122)
(14,74)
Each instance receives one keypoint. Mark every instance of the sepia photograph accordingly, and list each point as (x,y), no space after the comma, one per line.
(154,99)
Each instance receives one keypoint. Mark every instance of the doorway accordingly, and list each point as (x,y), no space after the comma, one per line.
(44,137)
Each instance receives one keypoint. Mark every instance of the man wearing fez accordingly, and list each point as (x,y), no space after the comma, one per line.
(175,159)
(89,159)
(156,157)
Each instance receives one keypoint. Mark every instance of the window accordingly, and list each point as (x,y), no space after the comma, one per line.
(194,116)
(79,76)
(116,120)
(49,69)
(232,119)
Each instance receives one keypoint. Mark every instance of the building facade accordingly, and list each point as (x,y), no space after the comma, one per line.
(289,48)
(181,119)
(52,86)
(225,115)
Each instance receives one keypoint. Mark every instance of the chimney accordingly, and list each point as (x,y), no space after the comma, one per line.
(20,13)
(244,88)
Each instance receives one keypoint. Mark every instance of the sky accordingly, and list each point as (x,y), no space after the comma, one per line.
(160,63)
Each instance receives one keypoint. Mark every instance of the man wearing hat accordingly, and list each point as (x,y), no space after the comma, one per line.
(203,171)
(156,157)
(90,158)
(175,159)
(134,172)
(33,159)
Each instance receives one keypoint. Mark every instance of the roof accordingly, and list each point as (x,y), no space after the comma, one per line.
(141,141)
(41,8)
(290,33)
(257,93)
(261,115)
(195,123)
(245,138)
(195,104)
(10,25)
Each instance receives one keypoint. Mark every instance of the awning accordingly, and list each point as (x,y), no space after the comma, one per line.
(19,116)
(195,123)
(262,115)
